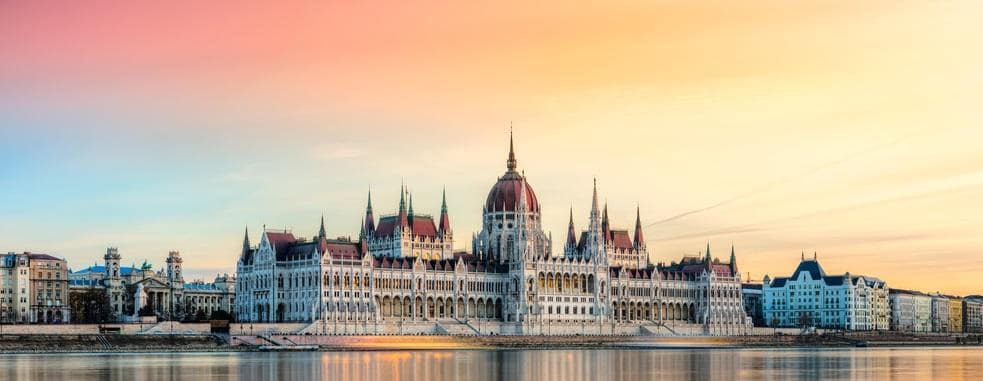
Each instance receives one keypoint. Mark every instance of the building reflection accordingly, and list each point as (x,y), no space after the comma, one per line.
(958,363)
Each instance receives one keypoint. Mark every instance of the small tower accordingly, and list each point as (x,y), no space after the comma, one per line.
(113,281)
(322,233)
(175,275)
(733,262)
(368,226)
(570,248)
(445,220)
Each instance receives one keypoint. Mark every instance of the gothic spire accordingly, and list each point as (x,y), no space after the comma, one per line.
(510,164)
(605,224)
(245,242)
(445,220)
(571,231)
(403,220)
(368,225)
(593,208)
(708,257)
(733,261)
(321,233)
(639,239)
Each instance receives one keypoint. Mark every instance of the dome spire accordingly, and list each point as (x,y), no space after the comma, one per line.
(511,162)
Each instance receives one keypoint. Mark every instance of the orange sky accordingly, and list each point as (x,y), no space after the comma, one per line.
(851,129)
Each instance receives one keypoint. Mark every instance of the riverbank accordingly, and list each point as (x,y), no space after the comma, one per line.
(134,343)
(43,343)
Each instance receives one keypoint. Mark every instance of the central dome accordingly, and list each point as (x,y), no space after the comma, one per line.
(504,195)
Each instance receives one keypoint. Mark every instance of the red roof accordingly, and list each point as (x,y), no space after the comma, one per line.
(344,250)
(44,257)
(504,195)
(280,240)
(421,226)
(620,239)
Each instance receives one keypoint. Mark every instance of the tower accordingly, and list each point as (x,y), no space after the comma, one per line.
(175,277)
(595,246)
(368,225)
(570,248)
(113,282)
(639,242)
(174,274)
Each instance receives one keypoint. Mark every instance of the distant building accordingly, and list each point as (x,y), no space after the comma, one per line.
(940,313)
(973,314)
(751,293)
(810,297)
(33,289)
(911,311)
(49,289)
(955,314)
(162,293)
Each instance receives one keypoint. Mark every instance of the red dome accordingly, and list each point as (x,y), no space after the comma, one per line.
(504,196)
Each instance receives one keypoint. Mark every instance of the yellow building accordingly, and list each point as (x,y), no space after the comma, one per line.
(955,314)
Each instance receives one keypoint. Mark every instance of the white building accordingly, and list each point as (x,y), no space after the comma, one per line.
(404,270)
(973,314)
(15,288)
(911,311)
(940,313)
(811,298)
(163,293)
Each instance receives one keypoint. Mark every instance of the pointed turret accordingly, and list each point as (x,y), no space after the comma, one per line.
(571,232)
(322,233)
(403,220)
(639,239)
(708,258)
(245,243)
(605,224)
(445,220)
(368,225)
(594,212)
(733,261)
(511,163)
(410,213)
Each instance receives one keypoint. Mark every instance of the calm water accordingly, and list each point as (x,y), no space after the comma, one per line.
(565,365)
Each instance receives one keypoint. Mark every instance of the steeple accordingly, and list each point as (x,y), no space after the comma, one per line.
(403,220)
(708,258)
(733,261)
(245,242)
(321,233)
(411,206)
(368,225)
(639,239)
(571,232)
(605,224)
(445,220)
(593,206)
(510,164)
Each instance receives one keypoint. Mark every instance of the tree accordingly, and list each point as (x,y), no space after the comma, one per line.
(147,310)
(200,315)
(805,320)
(220,315)
(90,306)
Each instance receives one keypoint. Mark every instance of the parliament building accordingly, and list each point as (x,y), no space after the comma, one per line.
(403,272)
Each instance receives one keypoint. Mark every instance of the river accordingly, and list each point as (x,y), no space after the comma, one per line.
(903,363)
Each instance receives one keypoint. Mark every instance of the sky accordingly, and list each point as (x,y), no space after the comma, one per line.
(851,130)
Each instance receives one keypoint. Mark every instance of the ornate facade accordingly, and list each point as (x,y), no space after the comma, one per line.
(163,293)
(404,270)
(33,289)
(811,298)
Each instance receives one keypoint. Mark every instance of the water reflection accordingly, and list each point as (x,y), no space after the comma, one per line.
(566,365)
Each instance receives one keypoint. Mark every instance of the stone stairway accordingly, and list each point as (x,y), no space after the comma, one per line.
(456,328)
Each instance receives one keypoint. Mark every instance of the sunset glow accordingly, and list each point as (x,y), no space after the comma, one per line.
(848,129)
